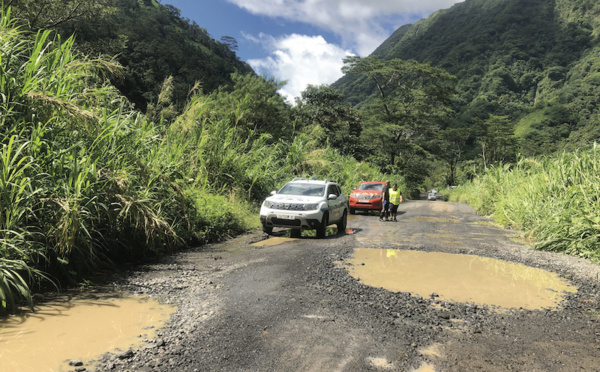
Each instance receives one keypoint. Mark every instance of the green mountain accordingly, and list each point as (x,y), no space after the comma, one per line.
(536,62)
(151,41)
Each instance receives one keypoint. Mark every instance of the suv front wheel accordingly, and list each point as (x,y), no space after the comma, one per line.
(341,226)
(323,226)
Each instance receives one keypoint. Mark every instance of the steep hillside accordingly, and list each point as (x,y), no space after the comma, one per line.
(534,61)
(151,40)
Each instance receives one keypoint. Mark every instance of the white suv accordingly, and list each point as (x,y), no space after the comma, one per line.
(305,204)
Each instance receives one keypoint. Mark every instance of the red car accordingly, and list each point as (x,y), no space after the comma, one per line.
(367,196)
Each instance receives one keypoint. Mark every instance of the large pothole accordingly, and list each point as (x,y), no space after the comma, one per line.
(84,329)
(459,278)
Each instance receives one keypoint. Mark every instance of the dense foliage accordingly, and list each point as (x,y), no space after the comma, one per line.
(87,181)
(533,62)
(321,114)
(152,41)
(412,103)
(554,199)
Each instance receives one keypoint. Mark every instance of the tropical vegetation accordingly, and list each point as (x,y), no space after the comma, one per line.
(150,40)
(553,199)
(88,182)
(531,64)
(128,132)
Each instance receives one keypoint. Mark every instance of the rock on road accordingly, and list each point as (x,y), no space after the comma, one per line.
(294,307)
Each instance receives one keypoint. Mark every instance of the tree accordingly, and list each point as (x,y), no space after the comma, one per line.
(321,108)
(453,142)
(412,100)
(253,105)
(48,14)
(496,136)
(230,42)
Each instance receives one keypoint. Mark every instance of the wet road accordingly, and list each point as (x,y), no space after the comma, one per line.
(292,304)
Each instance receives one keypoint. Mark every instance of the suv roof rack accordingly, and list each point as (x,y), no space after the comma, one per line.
(312,179)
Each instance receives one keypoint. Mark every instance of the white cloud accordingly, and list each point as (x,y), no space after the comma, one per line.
(300,60)
(362,24)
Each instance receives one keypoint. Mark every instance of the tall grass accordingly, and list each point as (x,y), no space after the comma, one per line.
(555,200)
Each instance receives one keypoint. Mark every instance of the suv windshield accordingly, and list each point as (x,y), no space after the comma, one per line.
(305,189)
(371,186)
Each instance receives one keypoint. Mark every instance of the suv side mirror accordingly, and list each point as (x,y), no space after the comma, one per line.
(273,192)
(332,197)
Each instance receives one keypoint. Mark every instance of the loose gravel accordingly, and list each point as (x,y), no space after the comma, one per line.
(293,307)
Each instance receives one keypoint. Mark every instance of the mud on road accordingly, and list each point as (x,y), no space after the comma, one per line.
(291,305)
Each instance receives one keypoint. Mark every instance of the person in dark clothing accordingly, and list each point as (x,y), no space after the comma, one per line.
(386,202)
(395,200)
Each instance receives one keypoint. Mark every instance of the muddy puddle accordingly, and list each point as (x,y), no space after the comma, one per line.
(272,241)
(81,329)
(459,278)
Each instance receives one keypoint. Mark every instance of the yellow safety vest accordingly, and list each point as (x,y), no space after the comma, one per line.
(395,197)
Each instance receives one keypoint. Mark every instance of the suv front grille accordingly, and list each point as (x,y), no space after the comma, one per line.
(289,206)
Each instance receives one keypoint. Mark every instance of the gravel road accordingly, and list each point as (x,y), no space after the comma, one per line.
(293,306)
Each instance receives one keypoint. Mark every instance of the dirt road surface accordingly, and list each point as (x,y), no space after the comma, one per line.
(292,305)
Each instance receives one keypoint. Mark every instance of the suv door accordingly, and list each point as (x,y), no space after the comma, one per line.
(336,206)
(342,200)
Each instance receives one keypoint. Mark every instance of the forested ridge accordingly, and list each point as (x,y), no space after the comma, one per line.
(149,39)
(534,62)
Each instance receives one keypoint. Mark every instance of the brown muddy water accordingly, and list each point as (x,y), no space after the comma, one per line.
(459,278)
(272,241)
(82,329)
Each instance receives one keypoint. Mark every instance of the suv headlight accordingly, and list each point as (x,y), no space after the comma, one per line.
(311,207)
(268,204)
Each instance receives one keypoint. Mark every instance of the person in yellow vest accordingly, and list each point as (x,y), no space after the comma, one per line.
(395,200)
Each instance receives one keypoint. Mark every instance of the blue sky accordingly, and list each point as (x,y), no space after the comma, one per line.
(304,41)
